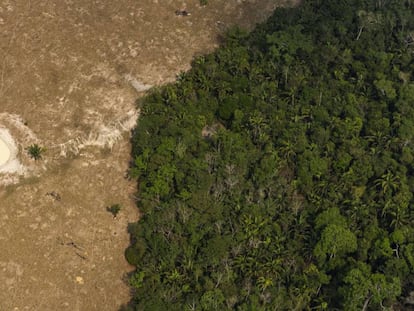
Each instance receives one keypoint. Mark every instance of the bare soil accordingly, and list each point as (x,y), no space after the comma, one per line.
(70,72)
(4,152)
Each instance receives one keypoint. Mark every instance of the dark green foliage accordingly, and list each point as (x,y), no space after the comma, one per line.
(35,151)
(134,253)
(114,209)
(277,173)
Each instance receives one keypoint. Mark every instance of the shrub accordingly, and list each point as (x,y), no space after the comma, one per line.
(133,254)
(114,209)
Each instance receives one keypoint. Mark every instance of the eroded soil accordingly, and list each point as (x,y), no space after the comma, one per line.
(70,72)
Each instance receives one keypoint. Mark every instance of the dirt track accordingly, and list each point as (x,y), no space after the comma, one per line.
(70,71)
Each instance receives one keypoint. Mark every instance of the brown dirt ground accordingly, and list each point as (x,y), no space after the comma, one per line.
(63,67)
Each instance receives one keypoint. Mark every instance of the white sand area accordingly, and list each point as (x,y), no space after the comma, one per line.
(4,152)
(9,162)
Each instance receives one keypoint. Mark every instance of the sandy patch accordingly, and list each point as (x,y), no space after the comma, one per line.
(15,137)
(4,153)
(8,154)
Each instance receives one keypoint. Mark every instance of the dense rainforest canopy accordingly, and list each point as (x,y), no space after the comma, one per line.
(277,174)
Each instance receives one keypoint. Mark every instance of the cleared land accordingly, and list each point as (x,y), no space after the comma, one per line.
(4,152)
(70,71)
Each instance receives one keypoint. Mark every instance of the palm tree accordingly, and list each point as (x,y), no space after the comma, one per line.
(288,150)
(35,151)
(264,282)
(388,182)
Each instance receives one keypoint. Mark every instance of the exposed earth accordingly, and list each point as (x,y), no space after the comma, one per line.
(4,152)
(70,72)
